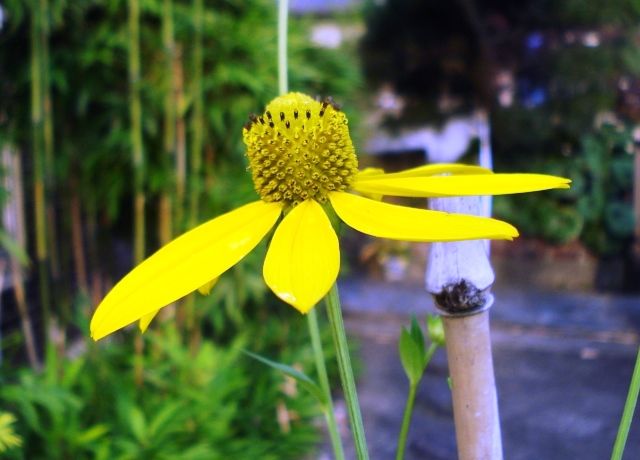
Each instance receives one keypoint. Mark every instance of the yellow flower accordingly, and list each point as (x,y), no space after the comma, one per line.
(303,164)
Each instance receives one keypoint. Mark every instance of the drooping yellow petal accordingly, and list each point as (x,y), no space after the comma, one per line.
(144,322)
(205,289)
(459,185)
(183,265)
(402,223)
(423,171)
(303,259)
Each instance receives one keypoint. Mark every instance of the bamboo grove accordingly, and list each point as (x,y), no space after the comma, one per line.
(120,126)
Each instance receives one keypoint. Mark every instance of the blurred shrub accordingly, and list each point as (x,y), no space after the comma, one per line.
(209,403)
(597,209)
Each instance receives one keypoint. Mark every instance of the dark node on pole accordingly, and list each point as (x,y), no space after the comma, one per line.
(461,298)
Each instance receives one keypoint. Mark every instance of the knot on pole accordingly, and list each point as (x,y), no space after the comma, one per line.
(462,298)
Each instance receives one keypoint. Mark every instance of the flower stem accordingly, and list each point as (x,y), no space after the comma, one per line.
(408,410)
(283,80)
(406,420)
(346,371)
(627,414)
(321,369)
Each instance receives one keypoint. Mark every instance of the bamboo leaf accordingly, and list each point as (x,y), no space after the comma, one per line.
(13,248)
(305,381)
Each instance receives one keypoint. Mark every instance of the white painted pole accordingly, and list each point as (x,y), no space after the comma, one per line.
(460,276)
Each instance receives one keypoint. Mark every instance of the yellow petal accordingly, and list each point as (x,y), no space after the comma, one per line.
(205,289)
(471,184)
(183,265)
(303,259)
(402,223)
(423,171)
(146,320)
(370,171)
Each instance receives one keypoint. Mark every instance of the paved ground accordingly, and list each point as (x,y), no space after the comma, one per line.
(563,363)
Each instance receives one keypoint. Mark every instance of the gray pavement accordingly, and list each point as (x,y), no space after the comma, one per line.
(563,363)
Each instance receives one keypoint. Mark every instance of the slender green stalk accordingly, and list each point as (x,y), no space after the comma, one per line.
(137,156)
(48,142)
(346,371)
(195,157)
(38,164)
(165,227)
(135,112)
(283,78)
(408,409)
(406,420)
(181,139)
(197,139)
(312,317)
(321,369)
(627,414)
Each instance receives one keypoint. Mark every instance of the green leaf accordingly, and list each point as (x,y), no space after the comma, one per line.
(138,424)
(410,356)
(305,381)
(92,434)
(418,338)
(13,248)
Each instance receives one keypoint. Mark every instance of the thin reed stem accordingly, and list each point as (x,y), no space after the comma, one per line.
(137,157)
(321,369)
(408,410)
(283,78)
(627,414)
(346,371)
(38,165)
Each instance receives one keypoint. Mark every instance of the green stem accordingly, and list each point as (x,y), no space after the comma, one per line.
(197,115)
(406,420)
(137,159)
(321,369)
(135,113)
(283,79)
(346,372)
(627,414)
(408,410)
(37,111)
(312,317)
(165,226)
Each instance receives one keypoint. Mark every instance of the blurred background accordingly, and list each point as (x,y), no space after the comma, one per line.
(120,128)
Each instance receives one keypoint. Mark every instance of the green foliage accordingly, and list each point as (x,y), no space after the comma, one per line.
(205,404)
(303,379)
(414,355)
(598,207)
(8,438)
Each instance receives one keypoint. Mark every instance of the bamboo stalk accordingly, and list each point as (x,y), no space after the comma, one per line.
(38,165)
(460,276)
(197,115)
(137,157)
(475,403)
(196,147)
(13,221)
(181,138)
(165,229)
(48,139)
